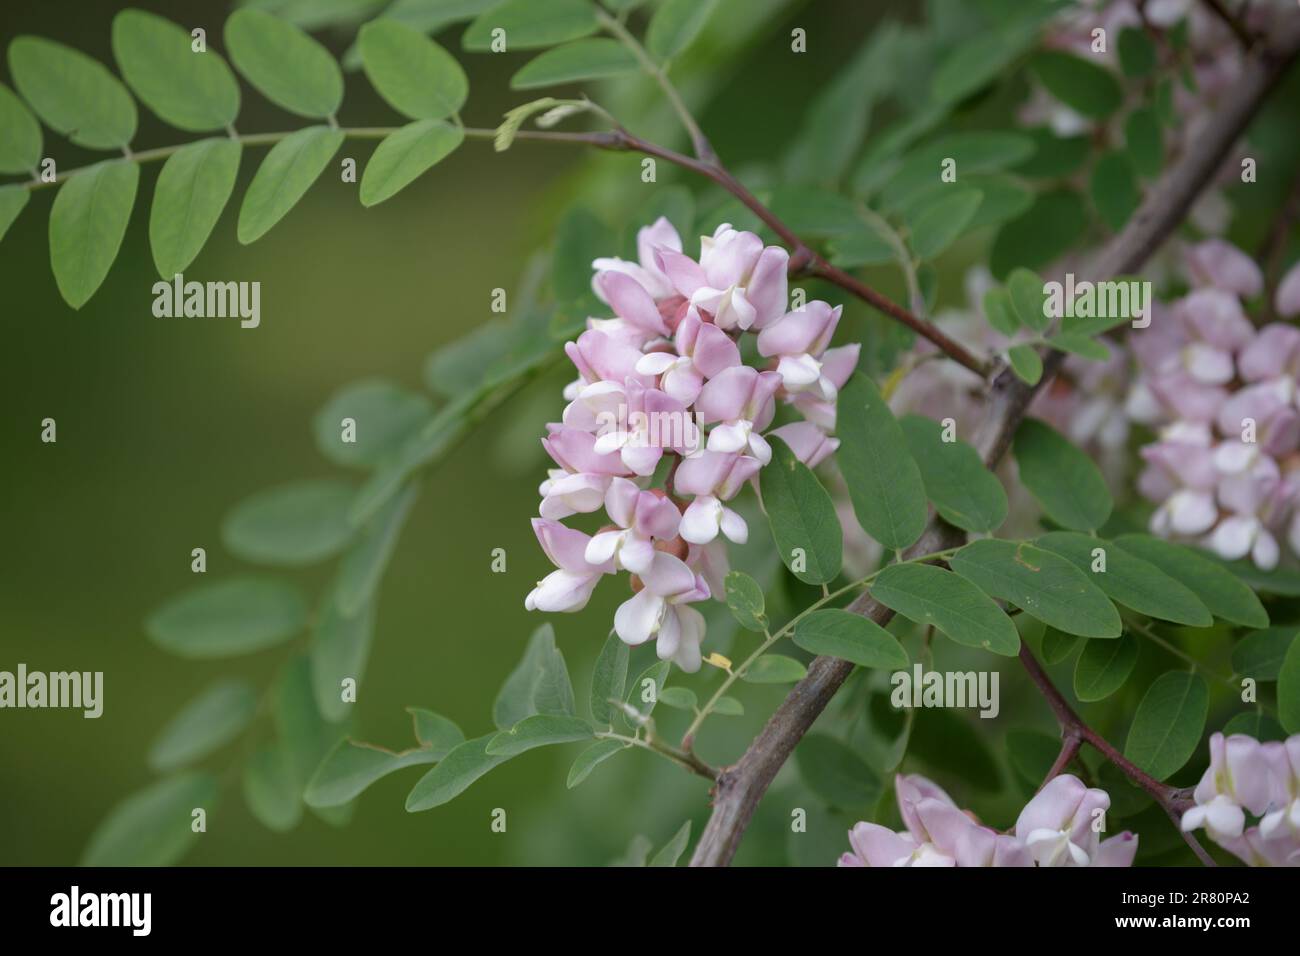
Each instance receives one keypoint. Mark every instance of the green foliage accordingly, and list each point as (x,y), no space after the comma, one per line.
(745,600)
(538,685)
(672,851)
(193,188)
(76,96)
(1225,596)
(284,64)
(539,730)
(939,223)
(87,223)
(802,517)
(1167,727)
(964,492)
(836,773)
(192,91)
(20,135)
(675,25)
(1061,477)
(531,24)
(1103,667)
(1041,234)
(294,524)
(207,723)
(1288,690)
(850,637)
(414,75)
(608,679)
(1084,87)
(1041,584)
(591,59)
(152,827)
(884,481)
(385,415)
(774,669)
(931,595)
(1114,189)
(1026,363)
(591,758)
(466,763)
(225,618)
(403,156)
(1260,654)
(284,177)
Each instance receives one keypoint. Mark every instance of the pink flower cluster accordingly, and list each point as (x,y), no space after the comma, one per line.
(1226,398)
(666,422)
(1060,826)
(1260,778)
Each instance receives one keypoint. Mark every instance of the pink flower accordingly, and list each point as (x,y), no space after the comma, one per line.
(737,282)
(714,477)
(702,351)
(797,340)
(809,443)
(1222,265)
(742,400)
(661,610)
(570,587)
(641,516)
(649,240)
(1287,298)
(1060,826)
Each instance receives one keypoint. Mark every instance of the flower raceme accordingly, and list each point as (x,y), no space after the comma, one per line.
(667,422)
(1060,826)
(1262,779)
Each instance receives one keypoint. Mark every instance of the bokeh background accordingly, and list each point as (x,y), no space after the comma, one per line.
(164,424)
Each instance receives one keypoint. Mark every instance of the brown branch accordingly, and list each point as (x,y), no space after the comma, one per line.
(1244,36)
(740,787)
(1272,251)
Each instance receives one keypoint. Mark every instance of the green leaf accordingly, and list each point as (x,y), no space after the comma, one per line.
(20,135)
(363,565)
(1031,754)
(538,685)
(672,851)
(270,790)
(75,95)
(285,175)
(1288,690)
(298,523)
(975,62)
(1028,299)
(964,492)
(403,156)
(1061,477)
(1167,726)
(1260,654)
(539,730)
(728,707)
(286,66)
(12,201)
(1042,584)
(931,595)
(920,173)
(951,743)
(940,223)
(1114,189)
(1080,345)
(1084,87)
(340,647)
(802,516)
(454,774)
(1225,596)
(306,736)
(866,246)
(205,724)
(87,223)
(592,757)
(383,416)
(679,698)
(1004,198)
(1145,142)
(593,59)
(1255,724)
(884,481)
(1026,363)
(414,75)
(745,601)
(836,773)
(774,669)
(435,732)
(230,617)
(1000,313)
(192,91)
(152,827)
(1103,667)
(532,24)
(656,674)
(1054,156)
(1137,54)
(608,678)
(1057,645)
(1050,227)
(850,637)
(193,188)
(1129,580)
(675,25)
(815,211)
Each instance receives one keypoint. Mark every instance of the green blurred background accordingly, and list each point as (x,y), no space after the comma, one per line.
(163,424)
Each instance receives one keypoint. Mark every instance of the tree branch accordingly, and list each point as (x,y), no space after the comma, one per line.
(741,786)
